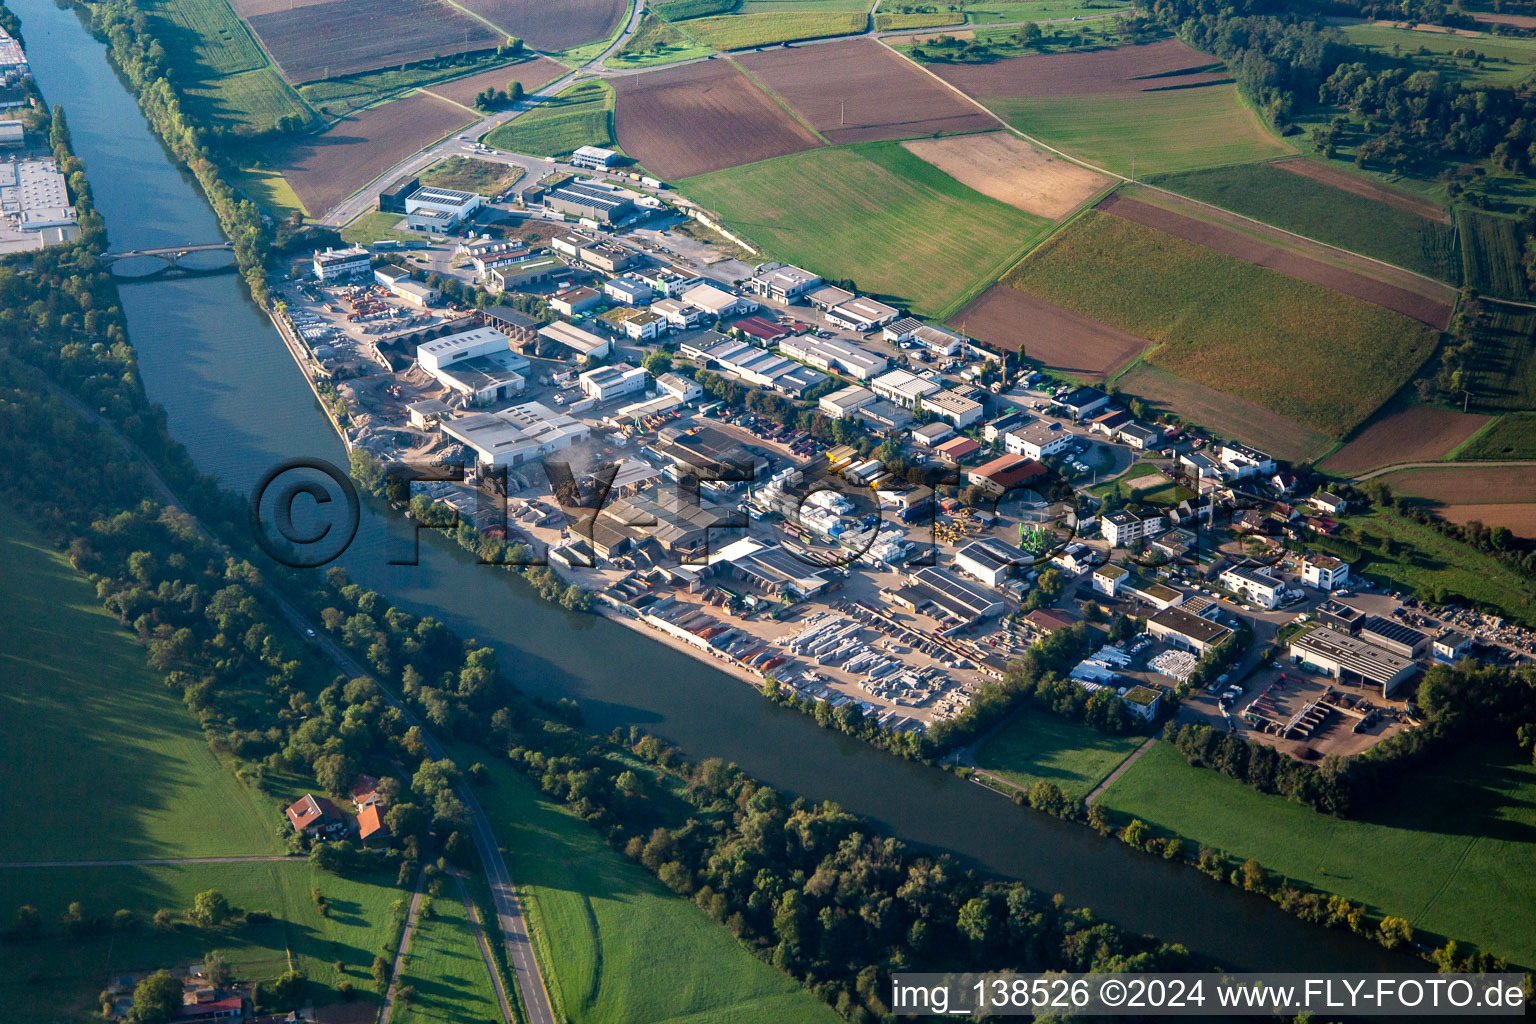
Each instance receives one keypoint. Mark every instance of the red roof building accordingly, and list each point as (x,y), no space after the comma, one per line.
(1006,472)
(762,328)
(232,1008)
(312,812)
(364,791)
(958,448)
(370,825)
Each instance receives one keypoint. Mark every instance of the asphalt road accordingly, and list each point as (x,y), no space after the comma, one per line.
(513,925)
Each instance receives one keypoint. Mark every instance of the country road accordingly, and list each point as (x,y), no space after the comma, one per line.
(513,925)
(407,932)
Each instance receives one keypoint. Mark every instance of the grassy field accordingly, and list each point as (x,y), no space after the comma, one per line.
(1511,436)
(445,967)
(874,212)
(616,945)
(1491,251)
(335,97)
(1504,60)
(1454,852)
(1504,364)
(1308,207)
(885,22)
(1146,132)
(1124,484)
(376,226)
(224,76)
(125,770)
(467,174)
(1298,349)
(986,11)
(73,970)
(580,116)
(657,42)
(1039,746)
(1431,565)
(741,31)
(269,189)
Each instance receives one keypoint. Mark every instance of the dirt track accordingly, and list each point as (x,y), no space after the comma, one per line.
(1404,433)
(1289,262)
(702,117)
(858,90)
(1007,319)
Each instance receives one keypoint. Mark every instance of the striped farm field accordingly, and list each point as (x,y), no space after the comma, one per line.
(742,31)
(1277,194)
(1491,251)
(1308,353)
(873,212)
(1155,108)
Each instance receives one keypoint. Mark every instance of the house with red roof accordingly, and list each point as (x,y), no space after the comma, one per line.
(314,815)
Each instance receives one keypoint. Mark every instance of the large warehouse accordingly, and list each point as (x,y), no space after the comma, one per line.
(517,435)
(1350,659)
(441,205)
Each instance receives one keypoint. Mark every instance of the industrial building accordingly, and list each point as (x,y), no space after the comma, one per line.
(342,264)
(1401,640)
(456,207)
(903,387)
(1035,440)
(523,433)
(680,522)
(574,301)
(583,344)
(861,314)
(835,355)
(845,402)
(392,199)
(13,134)
(715,300)
(1006,473)
(1351,659)
(949,595)
(753,365)
(781,283)
(398,281)
(1184,629)
(593,157)
(603,203)
(609,382)
(990,561)
(1324,572)
(684,389)
(478,364)
(952,406)
(936,339)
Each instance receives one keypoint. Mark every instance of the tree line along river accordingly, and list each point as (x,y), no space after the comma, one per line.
(236,400)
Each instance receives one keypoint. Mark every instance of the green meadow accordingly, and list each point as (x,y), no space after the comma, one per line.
(579,116)
(873,212)
(1453,850)
(1038,746)
(616,946)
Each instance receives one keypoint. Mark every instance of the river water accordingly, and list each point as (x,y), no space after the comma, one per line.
(234,397)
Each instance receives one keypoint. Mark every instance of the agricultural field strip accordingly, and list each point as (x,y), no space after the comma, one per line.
(1435,285)
(1398,467)
(153,862)
(512,922)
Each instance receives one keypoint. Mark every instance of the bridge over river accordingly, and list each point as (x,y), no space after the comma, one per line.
(173,260)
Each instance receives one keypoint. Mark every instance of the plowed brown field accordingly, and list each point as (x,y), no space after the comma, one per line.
(545,25)
(324,169)
(702,117)
(1009,169)
(1166,64)
(858,90)
(1287,261)
(1404,433)
(1009,320)
(345,37)
(532,73)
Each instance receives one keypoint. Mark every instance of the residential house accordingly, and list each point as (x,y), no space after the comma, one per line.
(1324,572)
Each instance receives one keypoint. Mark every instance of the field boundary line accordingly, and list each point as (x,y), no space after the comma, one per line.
(747,73)
(155,862)
(1454,454)
(1399,467)
(407,932)
(1120,769)
(1461,861)
(445,99)
(473,915)
(484,21)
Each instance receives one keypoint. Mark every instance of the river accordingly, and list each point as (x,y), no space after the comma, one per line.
(235,399)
